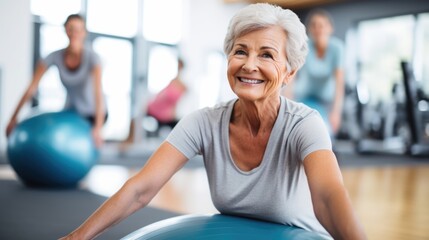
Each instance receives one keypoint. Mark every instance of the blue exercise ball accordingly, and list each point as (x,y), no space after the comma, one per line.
(52,149)
(218,227)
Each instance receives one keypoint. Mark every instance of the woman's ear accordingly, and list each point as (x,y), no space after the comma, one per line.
(289,76)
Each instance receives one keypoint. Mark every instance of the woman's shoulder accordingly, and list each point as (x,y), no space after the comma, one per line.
(303,118)
(218,109)
(222,106)
(212,113)
(92,55)
(56,53)
(298,109)
(55,57)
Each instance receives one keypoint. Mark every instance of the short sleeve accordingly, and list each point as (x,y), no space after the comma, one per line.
(312,135)
(187,135)
(50,59)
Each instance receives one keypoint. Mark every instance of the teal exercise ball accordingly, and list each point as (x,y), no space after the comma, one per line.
(52,149)
(218,227)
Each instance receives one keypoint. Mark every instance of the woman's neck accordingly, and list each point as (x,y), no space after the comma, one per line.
(256,116)
(74,49)
(72,58)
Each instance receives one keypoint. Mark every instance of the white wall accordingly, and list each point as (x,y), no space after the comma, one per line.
(16,47)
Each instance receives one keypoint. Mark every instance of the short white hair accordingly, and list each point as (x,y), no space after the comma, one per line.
(263,15)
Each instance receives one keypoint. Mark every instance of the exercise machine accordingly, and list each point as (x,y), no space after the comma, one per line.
(417,113)
(400,126)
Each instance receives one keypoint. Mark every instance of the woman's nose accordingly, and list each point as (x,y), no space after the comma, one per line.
(250,64)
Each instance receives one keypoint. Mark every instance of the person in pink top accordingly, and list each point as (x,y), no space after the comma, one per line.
(163,106)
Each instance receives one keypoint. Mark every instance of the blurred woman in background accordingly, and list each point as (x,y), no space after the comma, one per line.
(80,72)
(320,82)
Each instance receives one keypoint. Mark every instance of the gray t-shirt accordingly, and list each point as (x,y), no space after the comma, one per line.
(79,83)
(277,190)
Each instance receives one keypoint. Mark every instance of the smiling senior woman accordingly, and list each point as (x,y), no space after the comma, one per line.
(266,157)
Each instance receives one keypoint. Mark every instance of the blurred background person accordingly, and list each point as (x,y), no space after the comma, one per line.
(80,72)
(162,107)
(320,82)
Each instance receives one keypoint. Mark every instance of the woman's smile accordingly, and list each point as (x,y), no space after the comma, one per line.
(249,81)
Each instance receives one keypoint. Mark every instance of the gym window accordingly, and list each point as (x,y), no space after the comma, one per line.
(383,44)
(128,36)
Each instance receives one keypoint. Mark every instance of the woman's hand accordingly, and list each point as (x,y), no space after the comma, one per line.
(68,237)
(10,126)
(97,136)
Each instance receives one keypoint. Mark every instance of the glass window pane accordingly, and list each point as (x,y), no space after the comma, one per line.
(113,17)
(116,56)
(383,44)
(162,20)
(54,11)
(162,67)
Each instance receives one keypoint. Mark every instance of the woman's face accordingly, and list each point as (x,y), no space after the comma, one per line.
(257,64)
(75,30)
(319,28)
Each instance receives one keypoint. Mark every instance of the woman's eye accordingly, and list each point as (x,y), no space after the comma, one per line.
(267,55)
(240,52)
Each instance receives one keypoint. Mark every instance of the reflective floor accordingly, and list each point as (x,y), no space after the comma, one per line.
(391,202)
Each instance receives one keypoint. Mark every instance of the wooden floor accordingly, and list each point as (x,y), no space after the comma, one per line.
(391,202)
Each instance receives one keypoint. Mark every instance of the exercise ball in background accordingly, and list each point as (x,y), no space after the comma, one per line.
(52,149)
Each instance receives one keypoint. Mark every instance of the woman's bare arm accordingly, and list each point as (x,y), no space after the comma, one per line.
(99,105)
(337,104)
(135,194)
(331,203)
(29,92)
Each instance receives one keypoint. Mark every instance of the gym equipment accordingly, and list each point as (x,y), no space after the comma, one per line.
(218,227)
(402,126)
(383,127)
(52,149)
(417,113)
